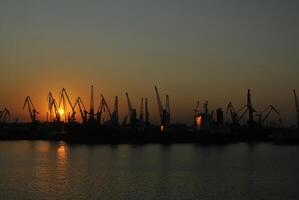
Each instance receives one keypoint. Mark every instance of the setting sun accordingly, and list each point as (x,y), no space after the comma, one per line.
(61,111)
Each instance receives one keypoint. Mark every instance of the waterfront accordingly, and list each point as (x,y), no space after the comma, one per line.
(57,170)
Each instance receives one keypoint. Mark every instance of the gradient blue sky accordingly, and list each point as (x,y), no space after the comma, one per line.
(193,50)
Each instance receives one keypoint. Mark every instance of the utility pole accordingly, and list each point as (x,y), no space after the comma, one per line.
(250,109)
(91,110)
(297,107)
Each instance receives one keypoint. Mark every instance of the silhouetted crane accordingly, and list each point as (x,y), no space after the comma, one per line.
(91,109)
(114,114)
(4,115)
(64,99)
(233,113)
(141,111)
(82,109)
(297,107)
(131,112)
(164,113)
(53,104)
(268,110)
(103,108)
(247,108)
(31,109)
(147,123)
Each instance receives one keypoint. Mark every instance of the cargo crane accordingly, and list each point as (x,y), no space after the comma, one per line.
(4,115)
(268,110)
(164,113)
(91,109)
(82,109)
(53,104)
(147,123)
(103,108)
(114,114)
(131,112)
(64,99)
(233,114)
(141,111)
(297,107)
(247,108)
(31,109)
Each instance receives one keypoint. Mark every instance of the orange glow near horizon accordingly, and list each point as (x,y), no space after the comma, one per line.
(198,121)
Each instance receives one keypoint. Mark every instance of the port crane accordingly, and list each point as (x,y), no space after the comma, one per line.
(147,123)
(91,108)
(64,99)
(233,113)
(4,115)
(131,112)
(32,111)
(164,112)
(103,108)
(263,116)
(114,114)
(247,108)
(141,111)
(53,104)
(82,109)
(297,107)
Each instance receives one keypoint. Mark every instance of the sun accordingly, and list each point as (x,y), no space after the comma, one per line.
(61,111)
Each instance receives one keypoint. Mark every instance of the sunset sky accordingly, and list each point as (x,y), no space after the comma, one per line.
(192,50)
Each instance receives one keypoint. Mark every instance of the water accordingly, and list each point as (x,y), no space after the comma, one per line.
(55,170)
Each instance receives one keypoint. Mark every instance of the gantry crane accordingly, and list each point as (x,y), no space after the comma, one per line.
(64,99)
(82,109)
(164,113)
(297,107)
(31,109)
(131,112)
(268,110)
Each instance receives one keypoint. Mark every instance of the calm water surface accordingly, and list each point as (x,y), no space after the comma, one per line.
(55,170)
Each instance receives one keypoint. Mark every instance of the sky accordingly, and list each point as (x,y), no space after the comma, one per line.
(192,50)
